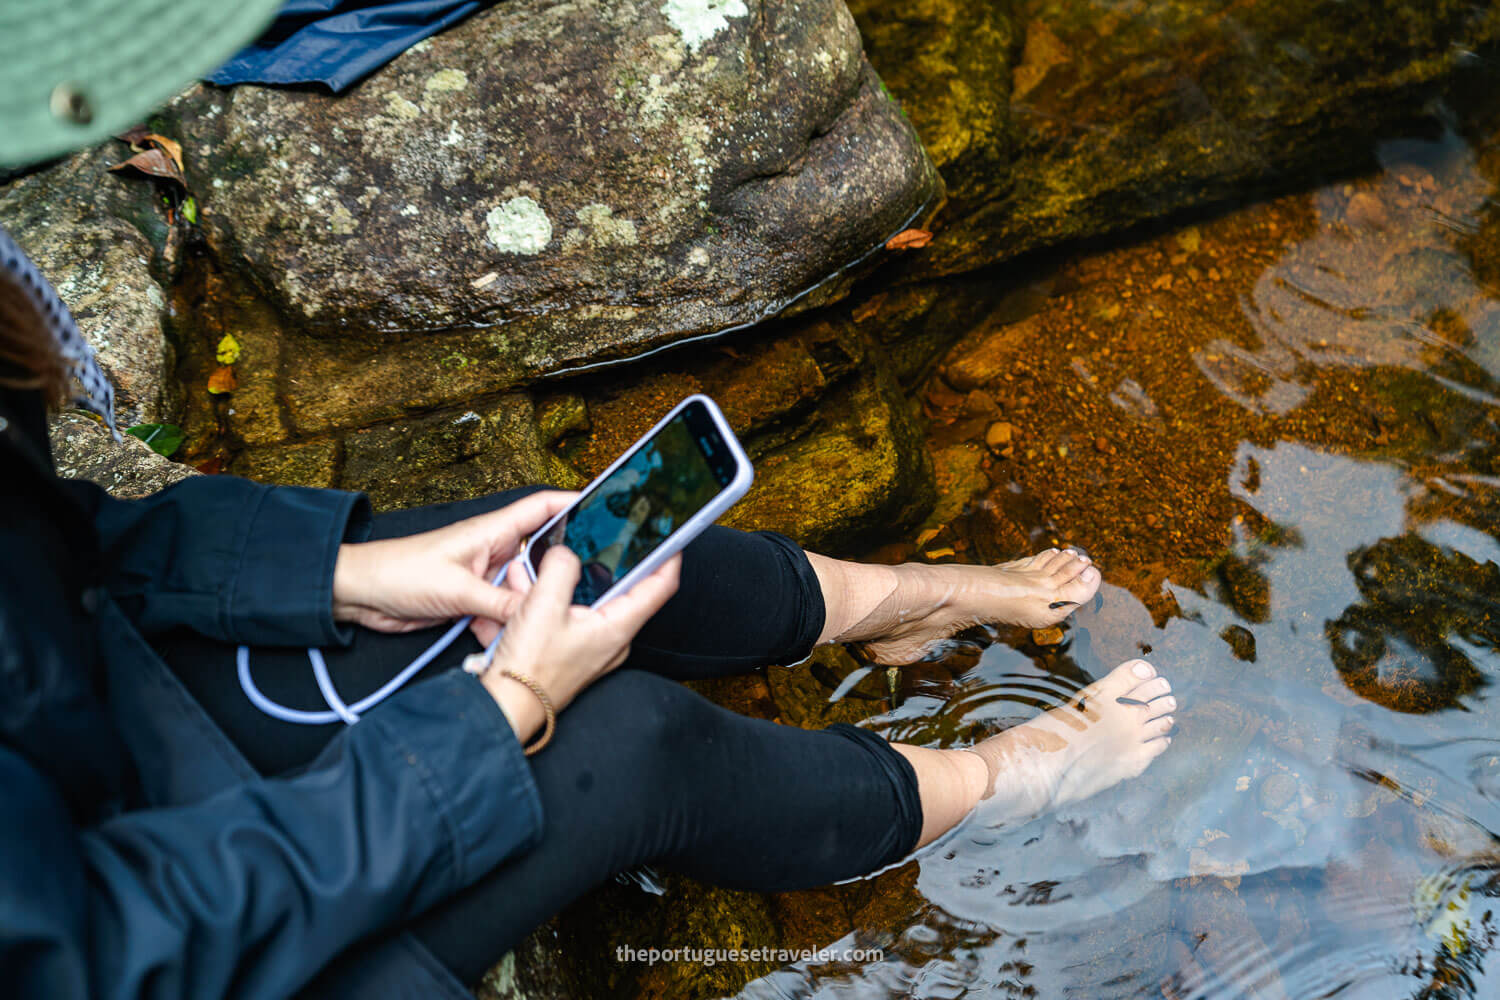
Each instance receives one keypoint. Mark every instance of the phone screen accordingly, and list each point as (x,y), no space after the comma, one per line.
(621,519)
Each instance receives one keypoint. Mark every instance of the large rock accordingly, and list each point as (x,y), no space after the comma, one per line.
(1098,118)
(549,185)
(545,187)
(98,241)
(838,452)
(82,448)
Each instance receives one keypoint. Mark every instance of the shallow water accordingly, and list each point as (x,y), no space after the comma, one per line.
(1277,433)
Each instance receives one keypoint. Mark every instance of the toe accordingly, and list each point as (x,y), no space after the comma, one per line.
(1080,586)
(1161,706)
(1150,750)
(1047,562)
(1158,729)
(1119,681)
(1146,691)
(1067,568)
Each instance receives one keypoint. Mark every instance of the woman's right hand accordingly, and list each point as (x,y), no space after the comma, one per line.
(566,647)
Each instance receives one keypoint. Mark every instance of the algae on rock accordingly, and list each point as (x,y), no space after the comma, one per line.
(1114,116)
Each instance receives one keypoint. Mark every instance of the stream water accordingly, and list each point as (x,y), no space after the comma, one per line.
(1277,433)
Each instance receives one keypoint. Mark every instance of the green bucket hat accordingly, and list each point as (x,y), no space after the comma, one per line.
(75,71)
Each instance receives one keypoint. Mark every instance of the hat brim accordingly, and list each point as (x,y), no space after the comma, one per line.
(75,71)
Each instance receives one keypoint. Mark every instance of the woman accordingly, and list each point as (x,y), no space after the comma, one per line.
(164,838)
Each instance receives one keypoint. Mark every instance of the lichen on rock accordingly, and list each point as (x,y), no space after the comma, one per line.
(519,225)
(699,20)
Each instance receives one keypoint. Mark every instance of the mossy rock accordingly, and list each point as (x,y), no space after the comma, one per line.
(1102,119)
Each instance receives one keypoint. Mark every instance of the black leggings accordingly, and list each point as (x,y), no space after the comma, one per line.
(642,769)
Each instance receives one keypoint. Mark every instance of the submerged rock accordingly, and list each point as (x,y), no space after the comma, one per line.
(1101,118)
(838,451)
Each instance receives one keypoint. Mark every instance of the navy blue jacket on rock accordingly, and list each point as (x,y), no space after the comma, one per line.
(140,855)
(337,42)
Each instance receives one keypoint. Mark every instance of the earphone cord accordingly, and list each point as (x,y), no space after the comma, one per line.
(475,663)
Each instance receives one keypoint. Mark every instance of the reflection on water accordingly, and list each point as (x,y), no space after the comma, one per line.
(1278,434)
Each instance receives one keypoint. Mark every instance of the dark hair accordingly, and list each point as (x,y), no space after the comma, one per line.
(29,357)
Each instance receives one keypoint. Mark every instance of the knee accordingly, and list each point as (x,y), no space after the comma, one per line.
(647,722)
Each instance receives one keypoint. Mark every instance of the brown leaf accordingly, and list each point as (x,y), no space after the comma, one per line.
(222,380)
(134,135)
(909,239)
(171,147)
(153,163)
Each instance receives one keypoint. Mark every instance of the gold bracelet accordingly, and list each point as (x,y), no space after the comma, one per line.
(541,696)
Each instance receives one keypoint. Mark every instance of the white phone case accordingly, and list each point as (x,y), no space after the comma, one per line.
(744,475)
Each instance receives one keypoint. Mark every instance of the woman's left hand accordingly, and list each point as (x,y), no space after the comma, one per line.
(403,584)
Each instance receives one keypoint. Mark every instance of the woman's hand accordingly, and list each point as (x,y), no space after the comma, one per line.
(403,584)
(563,646)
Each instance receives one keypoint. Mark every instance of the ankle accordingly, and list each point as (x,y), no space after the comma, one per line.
(857,598)
(978,774)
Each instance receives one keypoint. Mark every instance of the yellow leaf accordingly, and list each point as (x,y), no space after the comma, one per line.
(228,351)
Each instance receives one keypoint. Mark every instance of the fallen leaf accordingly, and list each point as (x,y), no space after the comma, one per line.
(228,351)
(941,553)
(190,209)
(164,439)
(211,467)
(222,380)
(133,135)
(909,239)
(171,147)
(153,163)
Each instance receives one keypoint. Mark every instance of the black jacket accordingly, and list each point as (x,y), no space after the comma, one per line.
(140,855)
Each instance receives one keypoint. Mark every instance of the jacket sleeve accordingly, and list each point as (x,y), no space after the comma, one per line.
(233,559)
(248,894)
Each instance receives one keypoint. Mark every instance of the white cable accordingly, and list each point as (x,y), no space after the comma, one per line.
(325,685)
(349,714)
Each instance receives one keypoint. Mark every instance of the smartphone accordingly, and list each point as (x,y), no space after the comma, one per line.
(679,478)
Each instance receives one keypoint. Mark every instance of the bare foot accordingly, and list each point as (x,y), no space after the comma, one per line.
(927,604)
(1078,750)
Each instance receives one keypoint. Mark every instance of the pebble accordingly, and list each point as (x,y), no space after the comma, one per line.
(1047,636)
(1366,210)
(1000,437)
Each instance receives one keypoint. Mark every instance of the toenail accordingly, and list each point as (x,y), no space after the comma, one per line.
(1143,669)
(1169,704)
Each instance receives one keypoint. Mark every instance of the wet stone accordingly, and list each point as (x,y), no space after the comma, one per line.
(1093,119)
(82,448)
(1241,642)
